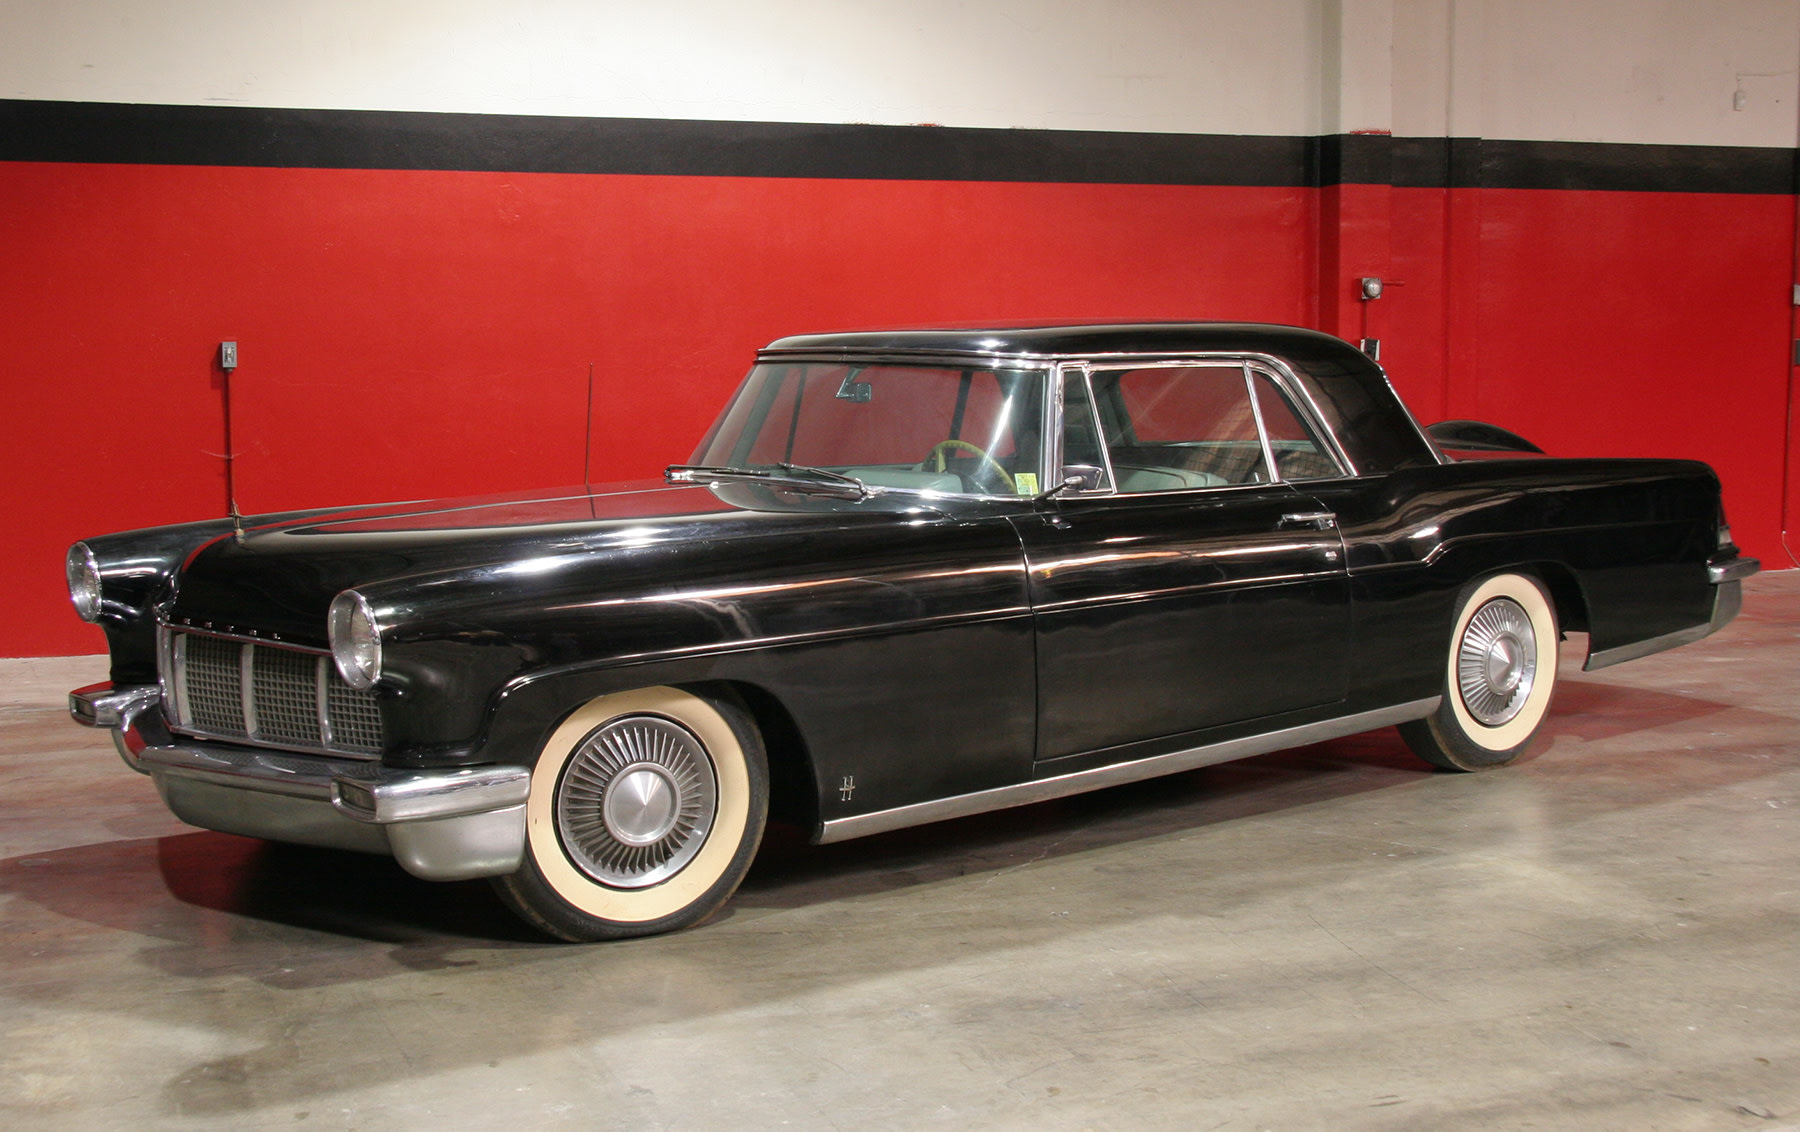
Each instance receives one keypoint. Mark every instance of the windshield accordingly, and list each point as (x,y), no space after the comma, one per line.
(915,427)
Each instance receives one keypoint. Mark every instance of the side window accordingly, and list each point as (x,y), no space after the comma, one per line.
(1298,453)
(1169,428)
(1081,432)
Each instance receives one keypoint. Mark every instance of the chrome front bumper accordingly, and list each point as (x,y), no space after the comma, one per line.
(450,824)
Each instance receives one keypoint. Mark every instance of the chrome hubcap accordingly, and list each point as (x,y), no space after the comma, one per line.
(636,801)
(1496,662)
(639,806)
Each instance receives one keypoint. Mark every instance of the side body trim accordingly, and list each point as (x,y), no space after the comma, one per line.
(1044,789)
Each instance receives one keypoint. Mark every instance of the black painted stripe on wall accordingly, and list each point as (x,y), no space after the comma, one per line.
(376,139)
(359,139)
(1593,166)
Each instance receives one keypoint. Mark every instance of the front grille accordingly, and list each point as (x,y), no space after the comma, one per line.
(270,695)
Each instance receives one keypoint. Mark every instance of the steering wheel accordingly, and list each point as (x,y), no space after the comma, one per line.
(936,455)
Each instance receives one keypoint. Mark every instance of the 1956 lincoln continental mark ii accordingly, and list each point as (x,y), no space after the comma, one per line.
(909,575)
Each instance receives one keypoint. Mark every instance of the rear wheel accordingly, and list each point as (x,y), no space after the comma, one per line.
(1498,681)
(646,809)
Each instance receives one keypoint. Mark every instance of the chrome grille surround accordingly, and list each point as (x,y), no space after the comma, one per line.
(264,693)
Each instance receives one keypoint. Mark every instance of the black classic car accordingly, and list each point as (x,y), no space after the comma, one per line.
(909,575)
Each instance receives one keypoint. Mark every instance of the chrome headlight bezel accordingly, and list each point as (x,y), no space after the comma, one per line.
(355,637)
(83,572)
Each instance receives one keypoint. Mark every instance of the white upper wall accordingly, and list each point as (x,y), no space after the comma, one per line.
(1571,70)
(1652,71)
(1186,66)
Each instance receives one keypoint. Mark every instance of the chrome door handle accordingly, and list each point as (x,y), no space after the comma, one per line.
(1318,520)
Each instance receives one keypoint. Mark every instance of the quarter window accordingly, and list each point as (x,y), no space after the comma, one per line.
(1298,453)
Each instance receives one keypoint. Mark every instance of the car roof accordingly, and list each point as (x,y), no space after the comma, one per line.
(1350,390)
(1075,339)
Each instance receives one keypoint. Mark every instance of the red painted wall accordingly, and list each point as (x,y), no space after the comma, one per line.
(408,334)
(1605,324)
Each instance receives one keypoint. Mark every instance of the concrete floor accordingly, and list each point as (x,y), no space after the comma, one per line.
(1604,936)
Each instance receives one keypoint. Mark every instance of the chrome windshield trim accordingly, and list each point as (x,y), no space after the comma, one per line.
(1044,789)
(917,357)
(1041,371)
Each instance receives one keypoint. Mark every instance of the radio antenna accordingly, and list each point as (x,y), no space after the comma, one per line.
(587,449)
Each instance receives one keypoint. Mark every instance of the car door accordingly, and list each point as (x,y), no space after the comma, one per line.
(1190,587)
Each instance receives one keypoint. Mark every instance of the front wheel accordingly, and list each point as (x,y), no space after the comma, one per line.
(646,809)
(1498,681)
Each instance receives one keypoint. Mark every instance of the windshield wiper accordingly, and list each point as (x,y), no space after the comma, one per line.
(820,481)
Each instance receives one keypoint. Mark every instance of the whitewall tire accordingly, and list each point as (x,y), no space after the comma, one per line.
(1498,679)
(646,809)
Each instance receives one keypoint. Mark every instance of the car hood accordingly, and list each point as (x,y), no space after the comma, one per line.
(276,579)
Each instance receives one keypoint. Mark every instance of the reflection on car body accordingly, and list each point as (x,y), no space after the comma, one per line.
(907,575)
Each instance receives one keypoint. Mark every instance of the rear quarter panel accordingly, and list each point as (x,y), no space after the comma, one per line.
(1622,545)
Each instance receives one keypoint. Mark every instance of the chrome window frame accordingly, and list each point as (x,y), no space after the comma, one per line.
(1057,365)
(1053,435)
(1305,411)
(1278,373)
(1262,430)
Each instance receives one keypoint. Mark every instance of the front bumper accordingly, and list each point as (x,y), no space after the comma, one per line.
(450,824)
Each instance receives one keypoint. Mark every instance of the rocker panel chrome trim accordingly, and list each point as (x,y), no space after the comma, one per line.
(1044,789)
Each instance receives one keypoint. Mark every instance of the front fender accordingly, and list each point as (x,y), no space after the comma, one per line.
(459,645)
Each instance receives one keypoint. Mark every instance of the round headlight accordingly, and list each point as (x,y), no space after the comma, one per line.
(84,581)
(355,640)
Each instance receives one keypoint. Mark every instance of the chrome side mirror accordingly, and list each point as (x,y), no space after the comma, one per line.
(1081,477)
